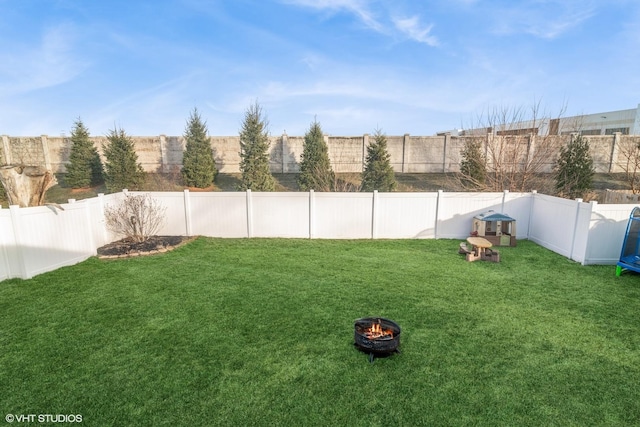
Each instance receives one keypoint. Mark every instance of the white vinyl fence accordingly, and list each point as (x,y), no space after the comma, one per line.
(39,239)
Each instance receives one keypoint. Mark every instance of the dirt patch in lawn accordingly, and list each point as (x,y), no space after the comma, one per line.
(155,244)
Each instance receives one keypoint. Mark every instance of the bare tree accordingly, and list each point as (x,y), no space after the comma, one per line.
(518,149)
(135,217)
(348,182)
(629,161)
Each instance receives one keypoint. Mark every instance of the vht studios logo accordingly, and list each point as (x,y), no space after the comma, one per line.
(43,418)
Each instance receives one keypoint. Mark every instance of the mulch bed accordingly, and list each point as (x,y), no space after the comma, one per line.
(125,248)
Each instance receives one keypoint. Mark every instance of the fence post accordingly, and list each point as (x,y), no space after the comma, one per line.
(435,226)
(249,214)
(575,227)
(581,229)
(103,222)
(5,260)
(374,215)
(187,212)
(532,199)
(312,208)
(504,197)
(15,222)
(592,207)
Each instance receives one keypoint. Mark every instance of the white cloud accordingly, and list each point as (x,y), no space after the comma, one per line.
(412,28)
(332,87)
(313,61)
(358,8)
(555,28)
(164,106)
(546,19)
(51,62)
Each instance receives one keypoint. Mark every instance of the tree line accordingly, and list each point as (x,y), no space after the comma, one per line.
(122,170)
(516,160)
(486,164)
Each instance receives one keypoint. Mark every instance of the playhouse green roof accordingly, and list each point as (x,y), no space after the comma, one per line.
(493,216)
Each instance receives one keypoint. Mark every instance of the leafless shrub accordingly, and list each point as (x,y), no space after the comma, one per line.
(347,183)
(136,217)
(517,147)
(629,162)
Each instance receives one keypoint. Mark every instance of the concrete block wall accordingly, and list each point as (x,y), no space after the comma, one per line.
(408,154)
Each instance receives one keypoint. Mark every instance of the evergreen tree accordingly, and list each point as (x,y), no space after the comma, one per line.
(122,169)
(198,165)
(85,167)
(315,167)
(378,173)
(254,156)
(473,166)
(574,169)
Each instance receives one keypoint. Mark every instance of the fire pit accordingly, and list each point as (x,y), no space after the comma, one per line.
(377,336)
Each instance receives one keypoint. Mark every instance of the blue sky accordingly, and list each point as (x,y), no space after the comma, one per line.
(403,66)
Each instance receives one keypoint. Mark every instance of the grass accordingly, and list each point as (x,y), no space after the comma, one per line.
(260,332)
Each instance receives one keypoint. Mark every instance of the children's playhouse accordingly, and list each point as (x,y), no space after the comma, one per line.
(497,228)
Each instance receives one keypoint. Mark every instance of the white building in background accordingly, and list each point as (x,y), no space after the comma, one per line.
(627,122)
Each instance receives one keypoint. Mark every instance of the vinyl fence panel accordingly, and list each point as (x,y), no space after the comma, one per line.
(553,223)
(111,201)
(49,238)
(217,214)
(403,215)
(9,256)
(341,215)
(39,239)
(279,215)
(580,236)
(607,227)
(95,210)
(173,204)
(456,212)
(518,207)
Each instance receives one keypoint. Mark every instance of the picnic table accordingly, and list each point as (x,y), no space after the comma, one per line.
(479,249)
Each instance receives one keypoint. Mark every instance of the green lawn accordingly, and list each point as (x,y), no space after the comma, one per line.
(260,332)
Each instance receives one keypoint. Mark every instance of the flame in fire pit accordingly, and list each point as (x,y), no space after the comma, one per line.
(376,336)
(376,332)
